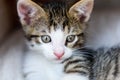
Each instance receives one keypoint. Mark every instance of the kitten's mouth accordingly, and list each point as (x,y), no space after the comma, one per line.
(58,59)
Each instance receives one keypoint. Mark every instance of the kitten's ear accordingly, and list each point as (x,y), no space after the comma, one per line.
(29,11)
(82,10)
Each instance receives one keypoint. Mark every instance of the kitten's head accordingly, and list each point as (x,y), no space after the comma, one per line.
(54,30)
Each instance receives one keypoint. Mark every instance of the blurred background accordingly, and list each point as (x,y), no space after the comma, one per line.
(9,21)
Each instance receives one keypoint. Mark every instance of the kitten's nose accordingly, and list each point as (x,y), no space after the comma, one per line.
(59,55)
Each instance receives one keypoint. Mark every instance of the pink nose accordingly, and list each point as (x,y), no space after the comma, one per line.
(59,55)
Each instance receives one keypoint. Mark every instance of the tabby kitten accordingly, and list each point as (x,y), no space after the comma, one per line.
(55,34)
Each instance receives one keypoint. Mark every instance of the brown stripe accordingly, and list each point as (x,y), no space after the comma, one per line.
(76,71)
(85,67)
(79,42)
(72,62)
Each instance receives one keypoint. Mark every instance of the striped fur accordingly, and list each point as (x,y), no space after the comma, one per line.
(107,64)
(101,64)
(81,62)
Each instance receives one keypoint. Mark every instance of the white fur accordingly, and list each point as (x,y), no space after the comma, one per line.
(38,67)
(74,77)
(40,63)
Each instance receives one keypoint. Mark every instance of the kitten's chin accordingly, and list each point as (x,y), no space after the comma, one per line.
(56,60)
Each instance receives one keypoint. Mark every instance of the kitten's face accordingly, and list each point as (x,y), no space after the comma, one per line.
(53,31)
(56,43)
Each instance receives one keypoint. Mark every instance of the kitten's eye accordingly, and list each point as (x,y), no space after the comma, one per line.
(70,38)
(46,38)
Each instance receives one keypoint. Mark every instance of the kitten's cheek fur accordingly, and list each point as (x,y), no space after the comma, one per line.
(75,77)
(50,55)
(68,53)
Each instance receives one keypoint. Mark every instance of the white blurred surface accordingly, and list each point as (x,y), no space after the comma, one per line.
(104,29)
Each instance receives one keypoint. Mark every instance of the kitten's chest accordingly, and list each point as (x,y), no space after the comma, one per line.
(43,68)
(54,72)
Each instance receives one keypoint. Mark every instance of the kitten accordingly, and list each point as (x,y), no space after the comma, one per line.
(55,33)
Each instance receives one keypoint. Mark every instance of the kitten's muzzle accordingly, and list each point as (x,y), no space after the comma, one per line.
(59,55)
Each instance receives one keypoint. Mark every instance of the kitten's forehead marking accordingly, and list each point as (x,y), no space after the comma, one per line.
(57,36)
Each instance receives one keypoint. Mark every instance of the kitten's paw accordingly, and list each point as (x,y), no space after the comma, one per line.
(74,77)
